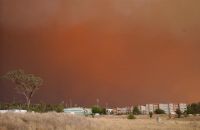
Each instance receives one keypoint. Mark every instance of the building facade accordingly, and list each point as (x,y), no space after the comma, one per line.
(183,107)
(168,108)
(149,108)
(142,109)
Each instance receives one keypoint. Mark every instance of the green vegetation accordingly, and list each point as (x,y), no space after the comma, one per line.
(26,84)
(193,108)
(99,110)
(136,111)
(42,107)
(159,111)
(131,116)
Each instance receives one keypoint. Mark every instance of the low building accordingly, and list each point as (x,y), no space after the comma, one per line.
(122,111)
(14,111)
(88,111)
(109,111)
(75,111)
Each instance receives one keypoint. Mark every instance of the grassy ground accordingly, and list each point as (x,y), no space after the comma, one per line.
(55,121)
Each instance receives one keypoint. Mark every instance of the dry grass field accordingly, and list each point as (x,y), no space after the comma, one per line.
(55,121)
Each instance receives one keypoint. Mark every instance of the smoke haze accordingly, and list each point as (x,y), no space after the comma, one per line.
(121,51)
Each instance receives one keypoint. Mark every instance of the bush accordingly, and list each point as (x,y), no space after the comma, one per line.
(99,110)
(131,116)
(159,111)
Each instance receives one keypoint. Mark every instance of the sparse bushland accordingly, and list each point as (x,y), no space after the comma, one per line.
(60,121)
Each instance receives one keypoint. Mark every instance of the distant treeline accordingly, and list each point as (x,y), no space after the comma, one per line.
(193,108)
(42,107)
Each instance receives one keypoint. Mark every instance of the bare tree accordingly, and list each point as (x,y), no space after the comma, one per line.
(26,84)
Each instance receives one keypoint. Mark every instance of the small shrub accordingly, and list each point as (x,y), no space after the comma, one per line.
(99,110)
(131,116)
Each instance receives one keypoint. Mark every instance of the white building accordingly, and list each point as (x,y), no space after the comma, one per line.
(164,107)
(171,108)
(176,106)
(168,108)
(155,106)
(77,111)
(182,107)
(109,111)
(14,111)
(122,111)
(149,108)
(142,109)
(88,111)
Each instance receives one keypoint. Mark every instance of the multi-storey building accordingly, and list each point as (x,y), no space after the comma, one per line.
(142,109)
(164,107)
(171,108)
(168,108)
(176,106)
(182,107)
(155,106)
(149,108)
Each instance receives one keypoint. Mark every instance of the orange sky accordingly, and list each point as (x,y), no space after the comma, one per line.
(121,51)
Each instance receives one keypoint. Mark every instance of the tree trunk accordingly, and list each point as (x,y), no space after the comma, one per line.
(28,101)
